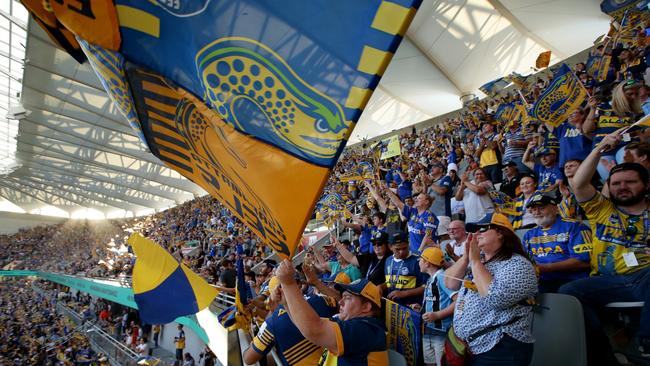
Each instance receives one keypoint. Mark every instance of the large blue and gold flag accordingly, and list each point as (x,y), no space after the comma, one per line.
(252,100)
(564,94)
(163,288)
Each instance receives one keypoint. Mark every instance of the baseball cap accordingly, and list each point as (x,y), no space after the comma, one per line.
(364,288)
(545,151)
(490,219)
(540,199)
(433,255)
(510,163)
(379,238)
(452,166)
(398,237)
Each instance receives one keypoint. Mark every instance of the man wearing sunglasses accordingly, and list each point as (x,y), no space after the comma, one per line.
(559,247)
(620,259)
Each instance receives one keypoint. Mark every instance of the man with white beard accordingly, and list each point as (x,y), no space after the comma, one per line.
(560,247)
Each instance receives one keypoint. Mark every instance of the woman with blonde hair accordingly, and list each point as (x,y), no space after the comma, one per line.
(624,111)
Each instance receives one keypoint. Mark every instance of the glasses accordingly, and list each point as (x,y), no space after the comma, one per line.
(631,229)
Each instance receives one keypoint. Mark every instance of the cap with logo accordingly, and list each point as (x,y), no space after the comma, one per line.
(364,288)
(490,219)
(379,238)
(398,237)
(540,199)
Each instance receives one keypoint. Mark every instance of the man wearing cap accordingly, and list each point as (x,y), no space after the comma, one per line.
(279,331)
(370,264)
(510,184)
(620,258)
(356,337)
(547,171)
(560,247)
(404,279)
(437,306)
(367,231)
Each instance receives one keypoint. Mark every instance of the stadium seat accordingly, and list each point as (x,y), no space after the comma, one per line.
(395,358)
(559,331)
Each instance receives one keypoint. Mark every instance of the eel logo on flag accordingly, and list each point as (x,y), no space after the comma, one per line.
(163,288)
(564,94)
(242,77)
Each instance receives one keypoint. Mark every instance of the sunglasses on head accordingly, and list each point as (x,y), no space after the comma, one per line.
(483,229)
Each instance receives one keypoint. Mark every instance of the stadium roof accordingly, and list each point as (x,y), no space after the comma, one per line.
(74,153)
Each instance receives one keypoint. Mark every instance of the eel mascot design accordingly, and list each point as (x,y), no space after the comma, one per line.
(256,91)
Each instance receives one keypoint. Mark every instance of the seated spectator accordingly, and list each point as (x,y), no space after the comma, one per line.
(510,184)
(559,247)
(523,219)
(620,259)
(490,313)
(456,247)
(404,279)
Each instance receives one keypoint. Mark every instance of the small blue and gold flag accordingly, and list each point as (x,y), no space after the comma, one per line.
(163,288)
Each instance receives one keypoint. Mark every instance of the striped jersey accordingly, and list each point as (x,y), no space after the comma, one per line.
(278,330)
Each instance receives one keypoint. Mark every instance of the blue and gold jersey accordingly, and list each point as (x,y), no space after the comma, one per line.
(402,275)
(619,239)
(419,226)
(565,239)
(360,342)
(292,347)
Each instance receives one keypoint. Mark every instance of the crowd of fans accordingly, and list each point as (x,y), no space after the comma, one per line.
(472,220)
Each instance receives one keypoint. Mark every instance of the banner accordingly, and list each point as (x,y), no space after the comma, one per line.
(252,100)
(617,8)
(564,94)
(404,334)
(390,147)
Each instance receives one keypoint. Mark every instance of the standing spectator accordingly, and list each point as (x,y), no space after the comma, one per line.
(559,247)
(422,224)
(573,143)
(489,312)
(475,197)
(440,192)
(156,334)
(403,277)
(371,264)
(179,342)
(547,171)
(488,152)
(228,276)
(620,259)
(437,307)
(344,337)
(516,143)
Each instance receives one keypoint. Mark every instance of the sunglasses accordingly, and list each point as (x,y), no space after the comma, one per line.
(631,229)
